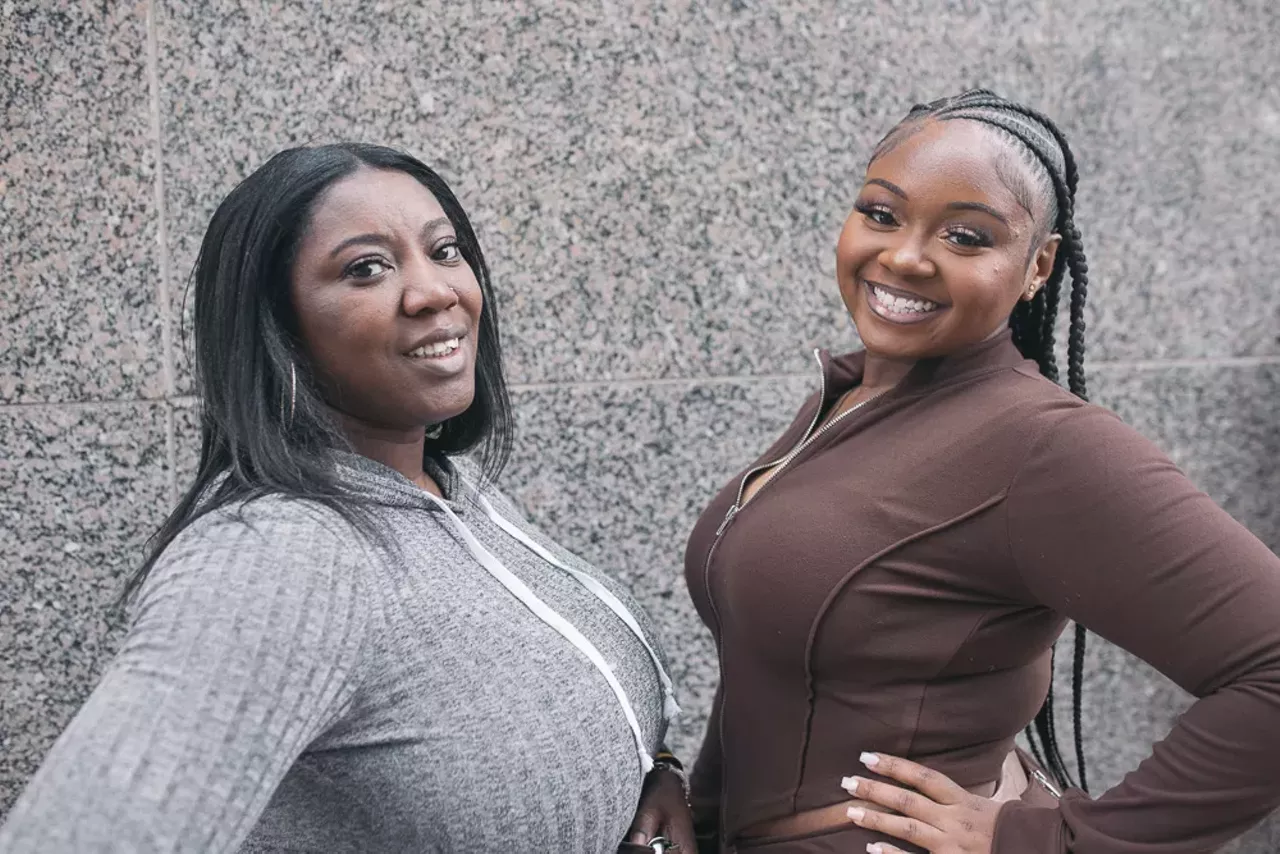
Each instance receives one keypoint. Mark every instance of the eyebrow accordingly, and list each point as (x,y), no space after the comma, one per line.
(382,239)
(888,185)
(977,206)
(953,206)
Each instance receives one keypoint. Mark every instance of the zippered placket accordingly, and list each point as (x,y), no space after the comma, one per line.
(781,463)
(784,461)
(1041,778)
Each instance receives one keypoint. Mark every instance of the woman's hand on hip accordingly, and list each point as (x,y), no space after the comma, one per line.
(933,812)
(663,811)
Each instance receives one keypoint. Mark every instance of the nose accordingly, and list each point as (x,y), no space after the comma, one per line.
(426,289)
(906,257)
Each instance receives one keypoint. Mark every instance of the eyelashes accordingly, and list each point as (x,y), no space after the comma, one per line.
(360,268)
(969,238)
(961,236)
(371,267)
(878,214)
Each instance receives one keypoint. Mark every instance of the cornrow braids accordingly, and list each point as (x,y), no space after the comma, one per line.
(1051,168)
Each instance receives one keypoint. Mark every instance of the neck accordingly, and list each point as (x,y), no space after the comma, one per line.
(397,448)
(881,373)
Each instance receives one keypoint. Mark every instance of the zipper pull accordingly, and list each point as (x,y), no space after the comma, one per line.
(1043,780)
(728,517)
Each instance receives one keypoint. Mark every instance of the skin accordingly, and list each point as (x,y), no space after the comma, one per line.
(377,271)
(934,221)
(916,229)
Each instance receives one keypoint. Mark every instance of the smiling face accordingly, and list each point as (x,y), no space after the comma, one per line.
(938,249)
(388,309)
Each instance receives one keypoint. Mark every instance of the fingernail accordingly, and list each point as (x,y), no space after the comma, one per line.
(869,759)
(849,784)
(856,814)
(874,848)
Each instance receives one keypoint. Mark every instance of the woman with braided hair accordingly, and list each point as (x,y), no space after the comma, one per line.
(886,583)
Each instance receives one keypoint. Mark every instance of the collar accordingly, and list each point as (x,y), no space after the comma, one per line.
(996,353)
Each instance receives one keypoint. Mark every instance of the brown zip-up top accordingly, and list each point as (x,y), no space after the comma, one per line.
(896,587)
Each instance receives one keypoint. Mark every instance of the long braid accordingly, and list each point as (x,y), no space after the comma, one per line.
(1043,146)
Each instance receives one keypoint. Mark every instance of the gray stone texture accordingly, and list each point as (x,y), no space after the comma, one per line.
(658,186)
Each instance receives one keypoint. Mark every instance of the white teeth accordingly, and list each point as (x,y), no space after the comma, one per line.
(899,304)
(440,348)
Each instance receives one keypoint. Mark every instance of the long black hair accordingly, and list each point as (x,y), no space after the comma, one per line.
(1036,141)
(264,428)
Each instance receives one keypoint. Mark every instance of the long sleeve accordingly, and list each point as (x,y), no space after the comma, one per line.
(1104,529)
(242,652)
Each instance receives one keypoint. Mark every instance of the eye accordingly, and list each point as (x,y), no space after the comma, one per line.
(366,268)
(878,214)
(967,238)
(448,253)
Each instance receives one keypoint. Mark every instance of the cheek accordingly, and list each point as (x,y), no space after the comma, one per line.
(338,334)
(470,297)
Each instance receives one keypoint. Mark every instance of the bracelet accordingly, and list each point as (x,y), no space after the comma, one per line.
(662,763)
(668,757)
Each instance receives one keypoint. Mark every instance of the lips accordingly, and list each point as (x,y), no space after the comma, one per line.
(437,344)
(898,306)
(436,350)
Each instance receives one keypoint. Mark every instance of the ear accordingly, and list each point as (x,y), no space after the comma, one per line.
(1041,267)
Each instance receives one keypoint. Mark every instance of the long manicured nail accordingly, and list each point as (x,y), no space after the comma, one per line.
(849,784)
(874,848)
(869,759)
(856,814)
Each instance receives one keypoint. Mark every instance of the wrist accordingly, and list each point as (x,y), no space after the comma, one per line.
(666,763)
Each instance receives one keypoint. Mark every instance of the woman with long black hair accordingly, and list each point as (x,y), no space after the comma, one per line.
(345,639)
(886,583)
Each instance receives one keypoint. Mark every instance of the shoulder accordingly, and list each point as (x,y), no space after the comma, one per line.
(1085,452)
(268,544)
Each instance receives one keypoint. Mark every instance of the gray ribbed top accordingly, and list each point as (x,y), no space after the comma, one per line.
(288,686)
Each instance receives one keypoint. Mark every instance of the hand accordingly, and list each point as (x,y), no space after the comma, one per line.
(939,816)
(663,811)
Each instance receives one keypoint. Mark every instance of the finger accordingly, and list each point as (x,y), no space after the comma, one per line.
(884,848)
(913,830)
(939,787)
(645,827)
(680,831)
(896,798)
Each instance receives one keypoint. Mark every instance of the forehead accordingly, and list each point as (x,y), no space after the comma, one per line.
(947,161)
(376,200)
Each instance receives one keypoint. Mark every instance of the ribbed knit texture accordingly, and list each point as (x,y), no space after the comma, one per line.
(287,685)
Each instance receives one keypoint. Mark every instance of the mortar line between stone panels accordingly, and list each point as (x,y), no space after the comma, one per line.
(162,225)
(1161,364)
(647,382)
(1136,365)
(162,249)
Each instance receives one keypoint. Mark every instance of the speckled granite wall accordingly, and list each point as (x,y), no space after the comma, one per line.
(659,185)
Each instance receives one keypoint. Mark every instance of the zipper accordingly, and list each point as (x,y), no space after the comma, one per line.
(1043,779)
(742,486)
(781,463)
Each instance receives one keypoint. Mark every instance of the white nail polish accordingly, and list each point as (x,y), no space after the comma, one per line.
(869,759)
(849,784)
